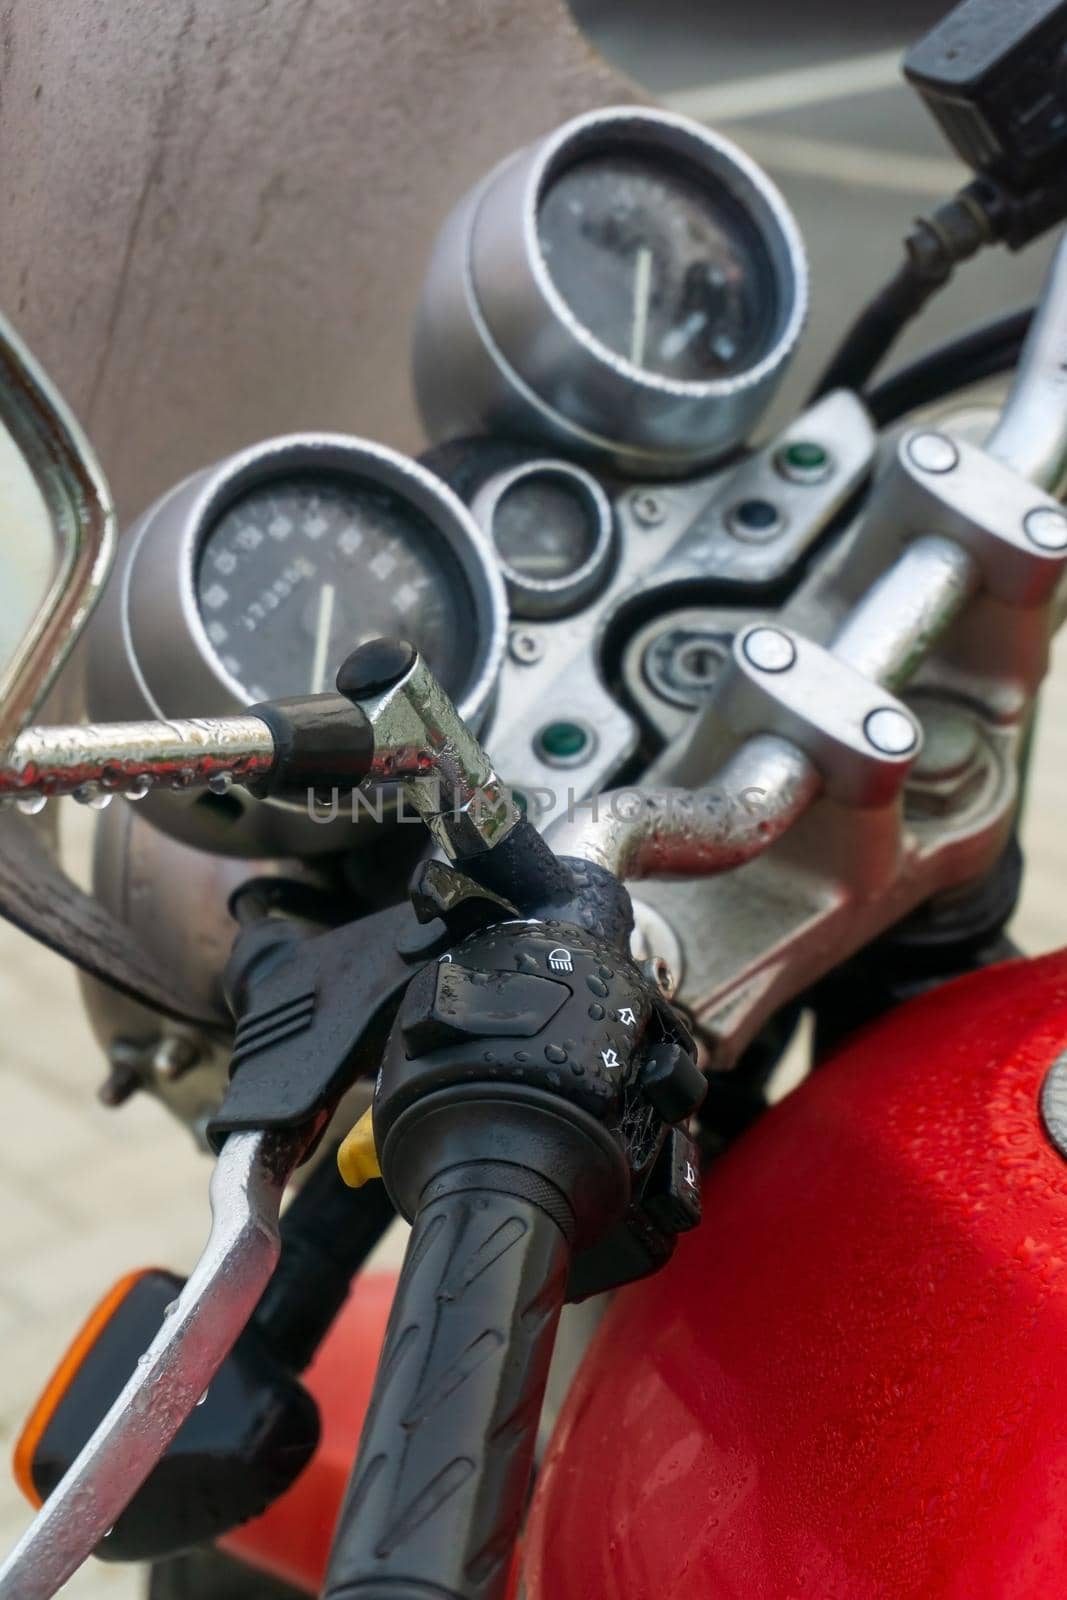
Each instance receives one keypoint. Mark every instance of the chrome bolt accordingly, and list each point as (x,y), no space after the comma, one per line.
(891,732)
(1047,528)
(950,744)
(1054,1104)
(124,1079)
(525,647)
(648,509)
(658,970)
(769,649)
(173,1057)
(933,452)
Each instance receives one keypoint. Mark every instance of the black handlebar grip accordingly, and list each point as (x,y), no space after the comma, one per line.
(438,1490)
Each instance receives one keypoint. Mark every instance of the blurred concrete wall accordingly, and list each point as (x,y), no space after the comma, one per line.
(214,214)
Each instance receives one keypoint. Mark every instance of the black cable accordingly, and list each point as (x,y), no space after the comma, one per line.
(328,1231)
(981,352)
(936,245)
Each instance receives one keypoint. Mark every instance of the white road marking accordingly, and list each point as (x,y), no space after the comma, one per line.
(785,91)
(892,170)
(327,595)
(642,289)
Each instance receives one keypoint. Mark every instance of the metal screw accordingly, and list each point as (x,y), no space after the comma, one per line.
(525,647)
(933,452)
(124,1079)
(173,1057)
(658,970)
(890,731)
(770,649)
(1047,528)
(648,509)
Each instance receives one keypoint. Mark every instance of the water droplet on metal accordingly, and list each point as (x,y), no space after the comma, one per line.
(32,804)
(220,783)
(138,787)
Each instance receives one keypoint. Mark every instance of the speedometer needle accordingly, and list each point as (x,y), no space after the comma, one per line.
(642,286)
(322,637)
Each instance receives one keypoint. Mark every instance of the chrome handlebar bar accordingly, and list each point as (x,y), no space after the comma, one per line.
(885,638)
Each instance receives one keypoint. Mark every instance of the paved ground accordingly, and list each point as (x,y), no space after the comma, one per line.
(88,1194)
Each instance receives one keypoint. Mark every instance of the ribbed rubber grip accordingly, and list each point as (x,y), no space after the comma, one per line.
(438,1490)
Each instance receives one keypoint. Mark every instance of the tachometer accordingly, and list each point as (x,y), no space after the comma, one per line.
(632,287)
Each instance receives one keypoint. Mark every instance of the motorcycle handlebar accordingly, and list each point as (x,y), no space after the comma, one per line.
(438,1490)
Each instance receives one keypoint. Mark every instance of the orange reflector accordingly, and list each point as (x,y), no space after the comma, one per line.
(63,1377)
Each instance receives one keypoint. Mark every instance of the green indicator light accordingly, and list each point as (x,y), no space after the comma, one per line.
(563,741)
(805,456)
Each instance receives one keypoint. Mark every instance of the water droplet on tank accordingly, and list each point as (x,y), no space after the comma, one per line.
(220,783)
(203,1397)
(31,805)
(138,787)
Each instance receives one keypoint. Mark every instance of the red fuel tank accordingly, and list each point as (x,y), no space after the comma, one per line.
(852,1381)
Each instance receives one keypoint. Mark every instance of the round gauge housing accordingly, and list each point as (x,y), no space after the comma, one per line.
(553,530)
(253,580)
(631,287)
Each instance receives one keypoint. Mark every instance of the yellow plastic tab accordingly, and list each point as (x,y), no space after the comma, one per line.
(357,1159)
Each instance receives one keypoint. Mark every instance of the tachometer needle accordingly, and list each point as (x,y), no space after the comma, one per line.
(322,638)
(642,286)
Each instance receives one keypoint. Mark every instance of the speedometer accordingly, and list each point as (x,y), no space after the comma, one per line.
(254,579)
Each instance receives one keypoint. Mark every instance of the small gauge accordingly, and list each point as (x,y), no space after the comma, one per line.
(254,580)
(553,531)
(633,287)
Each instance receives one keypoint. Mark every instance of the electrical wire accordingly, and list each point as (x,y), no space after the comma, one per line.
(981,352)
(933,249)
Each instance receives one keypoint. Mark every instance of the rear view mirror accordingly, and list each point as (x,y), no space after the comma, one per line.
(57,534)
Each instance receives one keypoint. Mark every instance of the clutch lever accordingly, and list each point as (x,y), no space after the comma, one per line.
(291,1057)
(175,1371)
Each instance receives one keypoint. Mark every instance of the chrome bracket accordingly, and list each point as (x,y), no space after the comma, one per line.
(862,739)
(1016,533)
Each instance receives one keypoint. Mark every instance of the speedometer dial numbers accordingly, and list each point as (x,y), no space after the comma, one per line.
(298,572)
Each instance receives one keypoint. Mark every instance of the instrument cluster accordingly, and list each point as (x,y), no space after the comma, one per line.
(604,319)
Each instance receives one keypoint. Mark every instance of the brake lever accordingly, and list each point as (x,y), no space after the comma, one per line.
(175,1371)
(401,726)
